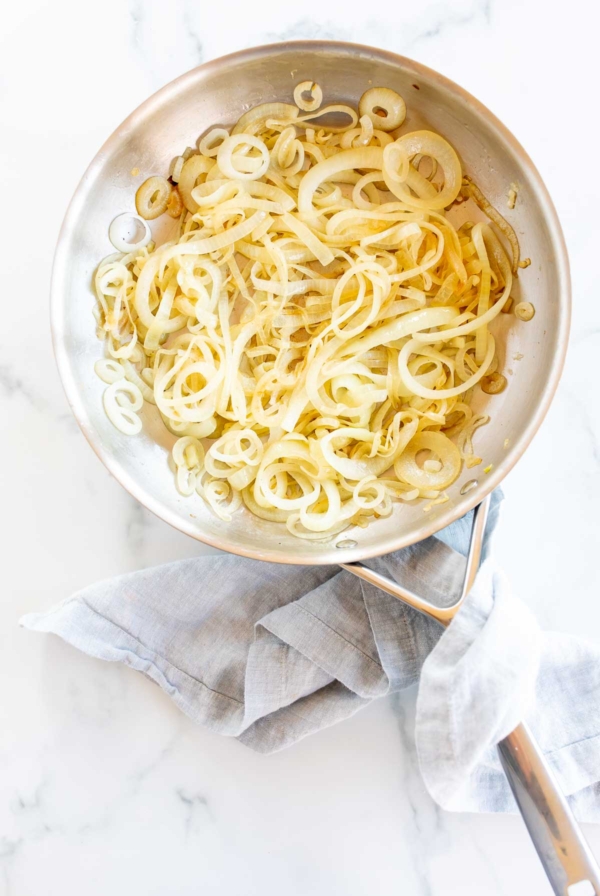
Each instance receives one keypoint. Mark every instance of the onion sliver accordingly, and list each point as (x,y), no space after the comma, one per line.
(225,157)
(152,198)
(369,157)
(121,401)
(413,385)
(255,117)
(128,233)
(314,324)
(315,92)
(209,145)
(408,470)
(321,252)
(429,144)
(382,99)
(194,168)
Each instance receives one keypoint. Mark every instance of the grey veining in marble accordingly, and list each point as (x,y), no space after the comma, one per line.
(104,785)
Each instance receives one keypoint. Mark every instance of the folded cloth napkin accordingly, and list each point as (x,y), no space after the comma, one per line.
(270,653)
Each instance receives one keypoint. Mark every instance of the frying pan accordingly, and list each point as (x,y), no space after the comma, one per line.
(217,93)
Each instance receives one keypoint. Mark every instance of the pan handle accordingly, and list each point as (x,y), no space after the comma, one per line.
(567,859)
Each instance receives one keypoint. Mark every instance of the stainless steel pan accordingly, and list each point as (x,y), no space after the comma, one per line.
(217,93)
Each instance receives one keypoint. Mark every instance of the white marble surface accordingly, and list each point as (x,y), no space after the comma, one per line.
(104,786)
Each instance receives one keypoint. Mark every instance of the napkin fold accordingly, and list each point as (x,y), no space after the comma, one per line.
(270,653)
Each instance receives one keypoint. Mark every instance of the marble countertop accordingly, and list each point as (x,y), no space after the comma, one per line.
(104,786)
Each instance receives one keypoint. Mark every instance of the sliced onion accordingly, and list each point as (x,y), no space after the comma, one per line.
(209,145)
(255,117)
(152,198)
(524,311)
(326,110)
(413,385)
(175,204)
(407,468)
(396,162)
(189,452)
(322,253)
(225,157)
(121,400)
(194,168)
(109,370)
(128,233)
(429,144)
(176,169)
(315,92)
(369,157)
(318,340)
(323,521)
(379,100)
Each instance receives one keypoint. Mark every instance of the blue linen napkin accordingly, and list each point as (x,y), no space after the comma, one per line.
(270,653)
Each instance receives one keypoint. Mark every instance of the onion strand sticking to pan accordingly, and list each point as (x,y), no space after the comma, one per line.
(569,864)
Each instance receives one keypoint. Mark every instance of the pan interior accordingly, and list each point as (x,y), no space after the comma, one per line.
(218,93)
